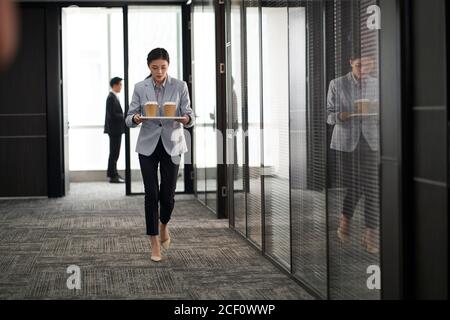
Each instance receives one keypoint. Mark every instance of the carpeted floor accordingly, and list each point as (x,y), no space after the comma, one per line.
(102,231)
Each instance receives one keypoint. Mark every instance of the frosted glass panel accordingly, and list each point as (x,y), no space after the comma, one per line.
(276,131)
(204,101)
(92,55)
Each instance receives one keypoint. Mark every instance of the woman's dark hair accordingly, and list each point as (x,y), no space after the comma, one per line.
(158,53)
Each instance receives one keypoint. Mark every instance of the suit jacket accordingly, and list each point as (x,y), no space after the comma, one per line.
(114,118)
(170,131)
(342,93)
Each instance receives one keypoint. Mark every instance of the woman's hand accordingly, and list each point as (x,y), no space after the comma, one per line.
(185,119)
(137,118)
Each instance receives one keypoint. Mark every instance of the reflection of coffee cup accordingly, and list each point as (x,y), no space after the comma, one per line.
(362,106)
(151,109)
(170,109)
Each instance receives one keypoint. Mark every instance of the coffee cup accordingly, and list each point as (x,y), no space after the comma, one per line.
(151,109)
(170,109)
(362,105)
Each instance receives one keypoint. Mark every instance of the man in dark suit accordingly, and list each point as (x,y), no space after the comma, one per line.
(114,127)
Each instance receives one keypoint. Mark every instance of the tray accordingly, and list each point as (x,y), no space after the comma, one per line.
(362,115)
(162,118)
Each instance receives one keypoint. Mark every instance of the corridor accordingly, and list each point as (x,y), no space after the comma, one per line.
(306,144)
(101,230)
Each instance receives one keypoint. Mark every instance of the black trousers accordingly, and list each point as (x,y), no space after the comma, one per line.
(154,193)
(114,151)
(360,177)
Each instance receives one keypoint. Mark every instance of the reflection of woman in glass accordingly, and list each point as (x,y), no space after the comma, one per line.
(352,108)
(160,142)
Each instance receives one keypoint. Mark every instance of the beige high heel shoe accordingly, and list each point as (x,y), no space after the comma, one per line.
(156,258)
(166,244)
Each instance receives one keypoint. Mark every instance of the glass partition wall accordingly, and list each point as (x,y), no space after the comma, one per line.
(307,148)
(302,88)
(235,117)
(353,147)
(253,125)
(204,101)
(275,134)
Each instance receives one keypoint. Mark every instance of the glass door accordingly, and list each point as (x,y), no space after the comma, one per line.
(101,43)
(92,49)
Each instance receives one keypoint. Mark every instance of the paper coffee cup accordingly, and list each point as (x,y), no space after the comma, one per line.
(151,109)
(170,109)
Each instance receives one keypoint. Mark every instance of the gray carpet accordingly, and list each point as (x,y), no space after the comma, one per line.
(102,231)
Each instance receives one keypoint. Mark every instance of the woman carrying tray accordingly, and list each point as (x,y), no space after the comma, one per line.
(160,142)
